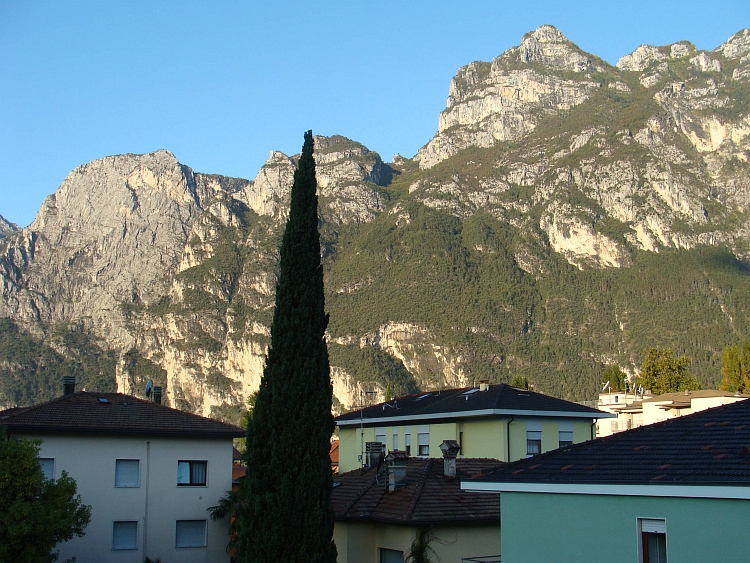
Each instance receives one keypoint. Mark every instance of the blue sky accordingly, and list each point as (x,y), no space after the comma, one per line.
(220,84)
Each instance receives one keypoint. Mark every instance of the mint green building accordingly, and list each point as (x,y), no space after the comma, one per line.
(677,491)
(498,422)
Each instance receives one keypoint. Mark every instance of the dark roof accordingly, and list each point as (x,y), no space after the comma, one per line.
(429,497)
(112,413)
(708,447)
(498,400)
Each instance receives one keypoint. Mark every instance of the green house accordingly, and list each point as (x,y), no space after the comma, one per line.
(674,491)
(490,421)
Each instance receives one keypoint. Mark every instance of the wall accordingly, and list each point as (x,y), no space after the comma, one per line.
(90,460)
(480,437)
(603,528)
(358,542)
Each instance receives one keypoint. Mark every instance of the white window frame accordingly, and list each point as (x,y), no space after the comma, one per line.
(655,526)
(423,440)
(185,545)
(47,465)
(564,430)
(395,437)
(134,544)
(407,440)
(387,555)
(122,464)
(380,435)
(533,436)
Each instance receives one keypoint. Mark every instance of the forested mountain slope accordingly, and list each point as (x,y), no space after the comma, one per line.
(567,214)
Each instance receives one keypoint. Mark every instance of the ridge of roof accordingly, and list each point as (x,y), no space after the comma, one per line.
(467,402)
(112,413)
(710,447)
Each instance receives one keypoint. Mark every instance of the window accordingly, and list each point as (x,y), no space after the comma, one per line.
(125,535)
(395,438)
(47,464)
(533,437)
(191,473)
(391,556)
(190,533)
(127,473)
(423,440)
(565,434)
(407,439)
(652,540)
(380,436)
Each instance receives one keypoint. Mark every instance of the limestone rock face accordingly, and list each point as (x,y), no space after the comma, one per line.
(6,227)
(641,58)
(504,100)
(736,46)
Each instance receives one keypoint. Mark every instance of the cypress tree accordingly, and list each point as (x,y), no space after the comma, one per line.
(287,514)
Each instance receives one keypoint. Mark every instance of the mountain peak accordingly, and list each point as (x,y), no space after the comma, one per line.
(6,227)
(548,46)
(737,45)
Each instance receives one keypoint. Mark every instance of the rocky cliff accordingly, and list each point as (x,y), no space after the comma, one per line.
(566,215)
(6,227)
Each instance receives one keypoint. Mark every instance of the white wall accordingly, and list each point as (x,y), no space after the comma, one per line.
(156,504)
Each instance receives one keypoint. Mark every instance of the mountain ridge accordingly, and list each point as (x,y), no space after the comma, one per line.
(527,237)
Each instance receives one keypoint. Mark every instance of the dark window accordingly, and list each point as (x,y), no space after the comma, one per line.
(191,473)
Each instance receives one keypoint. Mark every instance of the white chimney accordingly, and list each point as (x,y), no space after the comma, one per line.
(450,449)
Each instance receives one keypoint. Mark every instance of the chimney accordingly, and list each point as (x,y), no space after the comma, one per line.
(69,385)
(373,451)
(484,385)
(157,395)
(396,467)
(450,449)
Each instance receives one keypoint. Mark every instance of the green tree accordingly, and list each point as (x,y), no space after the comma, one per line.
(288,515)
(615,376)
(735,368)
(662,372)
(521,382)
(35,513)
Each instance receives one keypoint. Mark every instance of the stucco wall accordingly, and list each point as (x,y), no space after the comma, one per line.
(359,542)
(551,528)
(91,462)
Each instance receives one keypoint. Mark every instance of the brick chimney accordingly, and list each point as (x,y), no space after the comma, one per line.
(450,449)
(157,395)
(69,385)
(395,463)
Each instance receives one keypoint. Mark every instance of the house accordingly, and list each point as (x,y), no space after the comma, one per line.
(634,410)
(380,513)
(489,421)
(148,472)
(678,490)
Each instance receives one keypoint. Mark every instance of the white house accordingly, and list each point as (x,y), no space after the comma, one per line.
(148,472)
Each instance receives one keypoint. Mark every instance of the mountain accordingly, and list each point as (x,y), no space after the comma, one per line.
(6,227)
(567,214)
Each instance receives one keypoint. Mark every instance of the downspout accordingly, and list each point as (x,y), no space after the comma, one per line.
(145,516)
(507,438)
(593,428)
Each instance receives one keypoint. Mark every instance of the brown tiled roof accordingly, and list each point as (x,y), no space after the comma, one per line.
(711,447)
(112,413)
(429,497)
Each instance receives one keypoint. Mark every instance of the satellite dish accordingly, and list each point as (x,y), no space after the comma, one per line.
(149,387)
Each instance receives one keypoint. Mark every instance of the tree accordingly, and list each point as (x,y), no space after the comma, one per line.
(35,513)
(521,382)
(662,372)
(615,376)
(288,515)
(735,368)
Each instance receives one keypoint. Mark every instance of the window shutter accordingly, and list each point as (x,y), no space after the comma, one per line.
(654,525)
(125,535)
(127,473)
(191,533)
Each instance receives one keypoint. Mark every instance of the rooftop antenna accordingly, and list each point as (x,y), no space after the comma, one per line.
(149,387)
